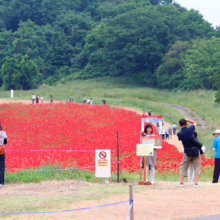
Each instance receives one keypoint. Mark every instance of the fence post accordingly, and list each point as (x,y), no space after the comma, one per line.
(131,197)
(117,158)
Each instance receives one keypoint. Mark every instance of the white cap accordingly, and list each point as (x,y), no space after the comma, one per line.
(217,131)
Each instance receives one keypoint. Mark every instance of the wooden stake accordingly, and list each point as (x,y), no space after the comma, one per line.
(96,179)
(145,161)
(110,180)
(131,197)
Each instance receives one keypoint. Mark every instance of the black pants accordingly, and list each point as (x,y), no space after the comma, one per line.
(216,170)
(2,169)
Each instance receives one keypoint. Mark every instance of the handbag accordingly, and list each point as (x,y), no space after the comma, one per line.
(1,147)
(192,151)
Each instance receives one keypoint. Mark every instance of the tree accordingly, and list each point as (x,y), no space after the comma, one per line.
(23,75)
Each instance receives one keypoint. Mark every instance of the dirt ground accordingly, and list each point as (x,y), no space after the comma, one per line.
(162,201)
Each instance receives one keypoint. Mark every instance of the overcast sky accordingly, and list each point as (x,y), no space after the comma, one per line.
(210,9)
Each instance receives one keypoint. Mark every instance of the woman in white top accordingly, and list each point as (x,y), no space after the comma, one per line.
(3,140)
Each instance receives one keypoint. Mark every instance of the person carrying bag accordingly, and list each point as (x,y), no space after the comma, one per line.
(191,150)
(3,140)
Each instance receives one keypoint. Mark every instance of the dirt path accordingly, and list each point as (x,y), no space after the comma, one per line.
(165,200)
(188,113)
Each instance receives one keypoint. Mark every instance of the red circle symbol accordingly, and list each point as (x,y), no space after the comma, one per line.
(102,155)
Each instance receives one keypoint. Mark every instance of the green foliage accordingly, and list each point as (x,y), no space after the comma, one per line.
(24,75)
(89,38)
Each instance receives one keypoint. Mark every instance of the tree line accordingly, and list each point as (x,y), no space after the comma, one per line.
(157,42)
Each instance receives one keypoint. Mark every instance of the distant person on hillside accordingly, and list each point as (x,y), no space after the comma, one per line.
(3,141)
(90,101)
(191,175)
(71,99)
(191,150)
(51,99)
(149,113)
(33,97)
(174,128)
(216,147)
(151,160)
(41,99)
(84,100)
(37,100)
(163,133)
(170,132)
(143,113)
(104,101)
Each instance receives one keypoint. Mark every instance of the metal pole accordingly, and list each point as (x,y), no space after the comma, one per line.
(117,158)
(131,197)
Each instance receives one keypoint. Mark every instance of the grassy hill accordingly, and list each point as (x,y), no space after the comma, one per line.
(123,91)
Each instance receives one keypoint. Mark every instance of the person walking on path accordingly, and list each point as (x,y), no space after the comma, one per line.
(71,99)
(3,140)
(191,150)
(33,97)
(51,99)
(163,133)
(151,160)
(216,147)
(170,132)
(37,100)
(41,99)
(174,128)
(167,133)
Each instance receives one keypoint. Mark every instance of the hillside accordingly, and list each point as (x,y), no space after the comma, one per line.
(44,41)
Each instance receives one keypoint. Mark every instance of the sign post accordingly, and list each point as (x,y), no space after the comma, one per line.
(102,164)
(12,93)
(145,150)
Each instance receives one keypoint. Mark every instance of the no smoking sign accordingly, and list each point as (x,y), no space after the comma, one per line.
(102,155)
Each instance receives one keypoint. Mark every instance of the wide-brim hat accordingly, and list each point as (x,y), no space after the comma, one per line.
(216,132)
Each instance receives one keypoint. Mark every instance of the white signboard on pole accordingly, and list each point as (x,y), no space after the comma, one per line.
(12,93)
(144,149)
(103,163)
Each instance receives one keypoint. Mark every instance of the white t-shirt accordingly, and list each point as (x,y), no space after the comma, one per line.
(2,137)
(41,98)
(163,131)
(33,97)
(174,125)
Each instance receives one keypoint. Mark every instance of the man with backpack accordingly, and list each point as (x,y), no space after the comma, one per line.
(191,150)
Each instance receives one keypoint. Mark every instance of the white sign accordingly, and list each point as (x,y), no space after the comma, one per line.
(145,150)
(12,93)
(103,163)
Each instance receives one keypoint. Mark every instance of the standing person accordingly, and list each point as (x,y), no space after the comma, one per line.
(90,101)
(51,99)
(163,133)
(191,176)
(151,160)
(149,113)
(37,100)
(167,133)
(216,147)
(174,128)
(3,140)
(143,113)
(71,99)
(33,98)
(191,150)
(41,99)
(170,132)
(84,100)
(104,101)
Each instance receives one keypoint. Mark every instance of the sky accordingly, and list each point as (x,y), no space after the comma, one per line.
(210,9)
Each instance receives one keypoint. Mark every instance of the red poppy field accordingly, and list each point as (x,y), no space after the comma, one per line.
(66,135)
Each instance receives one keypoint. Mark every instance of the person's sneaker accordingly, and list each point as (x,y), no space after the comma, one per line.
(214,182)
(196,185)
(1,186)
(152,182)
(181,185)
